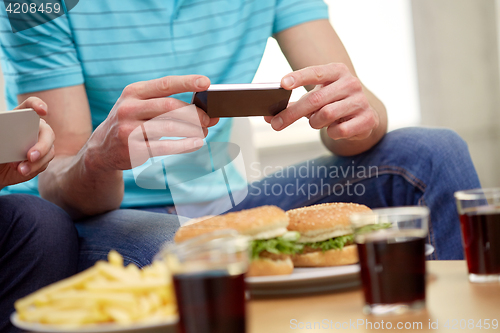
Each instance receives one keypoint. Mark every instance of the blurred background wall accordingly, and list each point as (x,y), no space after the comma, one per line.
(458,69)
(432,62)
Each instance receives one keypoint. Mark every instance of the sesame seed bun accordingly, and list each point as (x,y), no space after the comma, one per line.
(197,227)
(258,223)
(321,222)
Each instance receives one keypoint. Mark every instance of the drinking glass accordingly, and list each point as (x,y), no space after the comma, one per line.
(479,211)
(391,248)
(208,274)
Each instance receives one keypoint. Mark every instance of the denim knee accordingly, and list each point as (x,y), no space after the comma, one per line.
(438,144)
(136,235)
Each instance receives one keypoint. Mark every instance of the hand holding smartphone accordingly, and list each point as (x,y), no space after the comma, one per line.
(18,133)
(242,100)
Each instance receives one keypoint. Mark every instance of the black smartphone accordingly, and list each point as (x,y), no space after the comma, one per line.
(242,100)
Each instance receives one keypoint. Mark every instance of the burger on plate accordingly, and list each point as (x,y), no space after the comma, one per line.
(325,234)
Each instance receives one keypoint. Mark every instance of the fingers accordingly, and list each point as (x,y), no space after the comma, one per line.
(14,165)
(34,103)
(334,82)
(175,109)
(152,108)
(166,86)
(29,169)
(45,142)
(311,102)
(356,128)
(268,119)
(171,147)
(329,114)
(314,75)
(213,122)
(164,108)
(158,128)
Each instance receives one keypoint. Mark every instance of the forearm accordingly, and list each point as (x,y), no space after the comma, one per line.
(81,186)
(353,147)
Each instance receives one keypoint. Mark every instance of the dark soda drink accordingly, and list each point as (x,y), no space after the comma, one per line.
(210,302)
(393,269)
(481,237)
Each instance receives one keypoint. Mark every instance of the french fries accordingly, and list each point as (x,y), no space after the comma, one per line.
(104,293)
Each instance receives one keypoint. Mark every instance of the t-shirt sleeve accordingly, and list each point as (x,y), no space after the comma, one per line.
(40,58)
(294,12)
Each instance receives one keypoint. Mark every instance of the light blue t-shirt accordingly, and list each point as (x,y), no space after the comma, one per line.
(108,44)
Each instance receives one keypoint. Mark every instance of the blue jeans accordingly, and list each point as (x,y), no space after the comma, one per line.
(38,246)
(136,234)
(411,166)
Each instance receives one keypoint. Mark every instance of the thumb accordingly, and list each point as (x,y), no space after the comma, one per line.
(34,103)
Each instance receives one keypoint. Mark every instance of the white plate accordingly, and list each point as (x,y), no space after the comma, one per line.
(305,274)
(169,325)
(307,280)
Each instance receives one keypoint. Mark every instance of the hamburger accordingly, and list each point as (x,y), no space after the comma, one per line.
(325,234)
(271,243)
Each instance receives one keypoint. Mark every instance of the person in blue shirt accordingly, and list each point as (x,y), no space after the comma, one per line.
(107,68)
(38,240)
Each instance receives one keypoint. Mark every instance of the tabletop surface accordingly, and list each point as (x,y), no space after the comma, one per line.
(453,305)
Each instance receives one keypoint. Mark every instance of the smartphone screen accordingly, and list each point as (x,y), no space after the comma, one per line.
(242,100)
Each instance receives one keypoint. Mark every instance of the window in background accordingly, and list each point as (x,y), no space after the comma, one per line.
(378,34)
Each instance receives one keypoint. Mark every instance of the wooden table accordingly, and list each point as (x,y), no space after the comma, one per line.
(451,301)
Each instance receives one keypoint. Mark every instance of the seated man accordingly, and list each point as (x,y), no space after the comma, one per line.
(105,72)
(38,241)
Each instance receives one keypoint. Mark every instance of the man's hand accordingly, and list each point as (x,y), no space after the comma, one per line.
(337,103)
(144,111)
(38,156)
(352,119)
